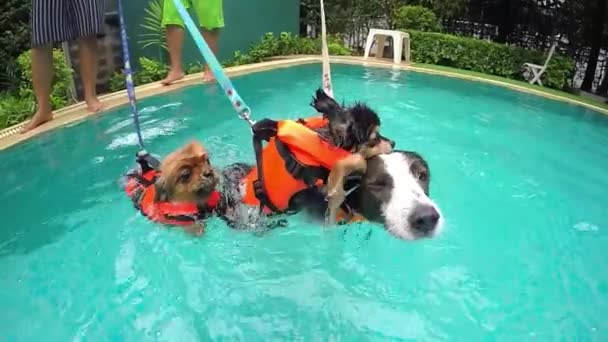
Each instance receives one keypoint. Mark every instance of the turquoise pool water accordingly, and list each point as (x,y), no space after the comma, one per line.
(521,181)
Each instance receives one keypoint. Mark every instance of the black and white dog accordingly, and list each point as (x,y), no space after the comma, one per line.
(394,192)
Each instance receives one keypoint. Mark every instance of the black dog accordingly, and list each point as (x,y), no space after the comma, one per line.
(355,129)
(351,128)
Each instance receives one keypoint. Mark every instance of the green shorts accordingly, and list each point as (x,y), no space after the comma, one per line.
(210,13)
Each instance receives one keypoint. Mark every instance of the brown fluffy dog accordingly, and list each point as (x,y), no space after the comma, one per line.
(186,175)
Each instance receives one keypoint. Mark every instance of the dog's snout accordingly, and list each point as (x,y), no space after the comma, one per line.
(389,141)
(424,218)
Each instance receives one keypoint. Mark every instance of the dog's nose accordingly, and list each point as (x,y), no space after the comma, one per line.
(392,142)
(424,218)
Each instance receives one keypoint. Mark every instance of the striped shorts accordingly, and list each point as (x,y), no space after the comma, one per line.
(56,21)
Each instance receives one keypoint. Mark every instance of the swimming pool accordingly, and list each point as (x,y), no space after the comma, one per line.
(519,179)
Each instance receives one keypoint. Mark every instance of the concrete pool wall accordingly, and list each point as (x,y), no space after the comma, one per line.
(68,115)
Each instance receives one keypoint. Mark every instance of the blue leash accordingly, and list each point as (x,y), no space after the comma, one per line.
(237,102)
(129,74)
(146,160)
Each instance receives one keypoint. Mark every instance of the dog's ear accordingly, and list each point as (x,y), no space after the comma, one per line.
(360,132)
(324,104)
(365,121)
(162,190)
(340,132)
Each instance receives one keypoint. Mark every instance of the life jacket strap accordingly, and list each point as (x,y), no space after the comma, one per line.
(308,174)
(258,185)
(265,130)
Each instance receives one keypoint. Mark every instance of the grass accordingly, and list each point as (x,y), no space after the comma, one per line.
(522,84)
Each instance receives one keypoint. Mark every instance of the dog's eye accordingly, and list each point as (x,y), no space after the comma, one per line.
(184,176)
(380,183)
(423,176)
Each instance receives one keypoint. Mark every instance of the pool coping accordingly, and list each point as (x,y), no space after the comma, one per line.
(78,112)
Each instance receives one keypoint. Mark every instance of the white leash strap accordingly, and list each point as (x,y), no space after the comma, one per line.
(326,80)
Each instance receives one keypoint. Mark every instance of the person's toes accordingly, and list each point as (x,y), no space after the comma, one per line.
(94,105)
(208,76)
(172,77)
(37,120)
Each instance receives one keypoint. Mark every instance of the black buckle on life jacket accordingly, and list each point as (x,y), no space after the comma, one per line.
(265,129)
(146,161)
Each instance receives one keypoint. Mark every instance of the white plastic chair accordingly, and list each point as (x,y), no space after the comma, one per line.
(399,47)
(538,70)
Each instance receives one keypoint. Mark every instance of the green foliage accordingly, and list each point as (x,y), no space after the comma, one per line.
(447,9)
(10,77)
(336,47)
(14,39)
(14,109)
(117,82)
(155,33)
(286,44)
(151,71)
(18,104)
(417,18)
(61,94)
(194,68)
(487,57)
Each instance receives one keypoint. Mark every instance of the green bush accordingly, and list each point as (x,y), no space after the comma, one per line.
(18,105)
(61,93)
(417,18)
(14,109)
(15,38)
(487,57)
(117,82)
(286,44)
(151,71)
(336,47)
(194,68)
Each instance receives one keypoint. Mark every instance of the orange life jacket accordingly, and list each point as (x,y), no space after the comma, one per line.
(295,158)
(140,188)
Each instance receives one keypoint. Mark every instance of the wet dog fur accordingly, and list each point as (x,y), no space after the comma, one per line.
(356,129)
(186,175)
(393,191)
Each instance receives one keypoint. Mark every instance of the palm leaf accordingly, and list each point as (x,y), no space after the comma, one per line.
(155,34)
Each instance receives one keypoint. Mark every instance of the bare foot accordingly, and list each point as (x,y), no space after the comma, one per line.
(173,76)
(94,105)
(38,119)
(208,76)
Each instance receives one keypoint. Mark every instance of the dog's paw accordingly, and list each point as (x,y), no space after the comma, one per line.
(330,217)
(195,229)
(385,147)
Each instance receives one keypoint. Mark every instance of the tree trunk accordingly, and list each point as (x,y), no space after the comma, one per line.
(596,32)
(506,24)
(603,88)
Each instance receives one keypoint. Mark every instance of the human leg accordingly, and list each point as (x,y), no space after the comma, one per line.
(211,19)
(88,21)
(48,26)
(174,26)
(212,38)
(175,42)
(42,80)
